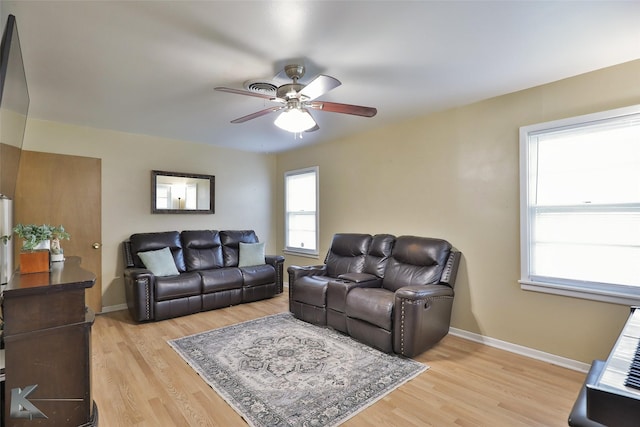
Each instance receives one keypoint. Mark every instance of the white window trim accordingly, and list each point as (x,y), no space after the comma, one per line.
(617,294)
(299,251)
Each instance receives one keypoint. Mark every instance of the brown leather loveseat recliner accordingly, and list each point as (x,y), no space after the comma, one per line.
(394,294)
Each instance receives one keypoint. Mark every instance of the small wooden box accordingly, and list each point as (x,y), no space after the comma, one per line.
(35,262)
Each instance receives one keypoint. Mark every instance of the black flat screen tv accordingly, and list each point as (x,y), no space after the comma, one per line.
(14,106)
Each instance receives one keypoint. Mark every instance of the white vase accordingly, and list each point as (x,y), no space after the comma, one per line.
(43,245)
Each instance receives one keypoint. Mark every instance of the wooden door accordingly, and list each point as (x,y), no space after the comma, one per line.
(60,189)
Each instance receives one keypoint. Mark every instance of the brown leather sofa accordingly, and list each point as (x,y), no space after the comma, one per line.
(208,273)
(394,294)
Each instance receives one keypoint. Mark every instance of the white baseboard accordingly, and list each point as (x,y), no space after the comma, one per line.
(524,351)
(111,308)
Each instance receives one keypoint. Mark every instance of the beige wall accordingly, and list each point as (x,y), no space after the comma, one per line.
(452,174)
(455,175)
(245,184)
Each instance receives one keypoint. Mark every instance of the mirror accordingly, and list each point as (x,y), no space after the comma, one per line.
(175,192)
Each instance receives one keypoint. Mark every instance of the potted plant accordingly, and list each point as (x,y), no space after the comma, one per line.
(35,255)
(57,234)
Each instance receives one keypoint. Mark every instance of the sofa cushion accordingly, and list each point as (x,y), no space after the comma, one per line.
(159,262)
(415,261)
(143,242)
(379,252)
(373,305)
(221,279)
(258,275)
(202,249)
(184,285)
(231,244)
(251,254)
(347,253)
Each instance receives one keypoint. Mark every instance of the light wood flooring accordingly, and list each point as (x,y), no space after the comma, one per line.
(139,380)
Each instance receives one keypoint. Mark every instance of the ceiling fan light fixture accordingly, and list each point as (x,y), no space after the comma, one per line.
(293,98)
(295,120)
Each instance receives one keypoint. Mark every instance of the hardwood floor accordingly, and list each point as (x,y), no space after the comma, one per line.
(139,380)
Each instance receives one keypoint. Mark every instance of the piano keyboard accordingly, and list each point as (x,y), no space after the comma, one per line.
(633,376)
(621,359)
(612,400)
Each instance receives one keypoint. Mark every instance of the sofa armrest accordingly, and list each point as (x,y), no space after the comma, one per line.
(422,315)
(450,271)
(297,271)
(422,292)
(273,259)
(277,261)
(127,254)
(139,290)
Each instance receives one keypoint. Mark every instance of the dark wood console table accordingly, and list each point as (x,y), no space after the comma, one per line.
(47,336)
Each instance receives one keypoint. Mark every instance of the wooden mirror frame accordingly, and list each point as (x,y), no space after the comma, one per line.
(207,208)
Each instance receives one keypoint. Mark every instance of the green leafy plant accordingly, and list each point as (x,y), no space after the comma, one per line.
(33,234)
(57,234)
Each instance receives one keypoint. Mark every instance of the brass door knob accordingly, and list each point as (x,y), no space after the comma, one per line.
(96,245)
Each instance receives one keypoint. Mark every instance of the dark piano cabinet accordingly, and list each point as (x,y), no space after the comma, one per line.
(47,335)
(605,399)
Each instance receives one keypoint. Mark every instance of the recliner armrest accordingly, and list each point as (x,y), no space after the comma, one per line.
(421,317)
(273,259)
(139,291)
(450,271)
(296,271)
(134,271)
(277,261)
(424,291)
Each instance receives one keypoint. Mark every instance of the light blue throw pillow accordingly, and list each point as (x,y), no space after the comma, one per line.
(251,254)
(160,262)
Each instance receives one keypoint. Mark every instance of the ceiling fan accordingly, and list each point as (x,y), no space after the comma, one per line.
(295,99)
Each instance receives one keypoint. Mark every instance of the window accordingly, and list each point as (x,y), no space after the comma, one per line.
(580,206)
(191,196)
(163,195)
(301,211)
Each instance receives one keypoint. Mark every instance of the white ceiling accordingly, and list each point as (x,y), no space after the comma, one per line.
(149,67)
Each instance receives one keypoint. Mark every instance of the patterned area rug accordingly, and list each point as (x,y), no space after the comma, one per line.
(280,371)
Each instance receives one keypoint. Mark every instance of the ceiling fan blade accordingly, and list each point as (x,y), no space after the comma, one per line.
(245,92)
(334,107)
(313,129)
(319,86)
(257,114)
